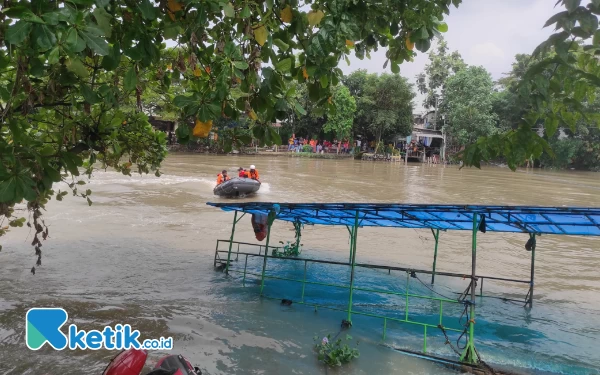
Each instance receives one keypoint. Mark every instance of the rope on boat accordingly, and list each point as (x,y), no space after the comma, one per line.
(413,274)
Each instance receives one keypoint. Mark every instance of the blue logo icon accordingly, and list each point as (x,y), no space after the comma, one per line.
(43,326)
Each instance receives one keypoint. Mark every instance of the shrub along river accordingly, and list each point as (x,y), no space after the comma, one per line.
(143,254)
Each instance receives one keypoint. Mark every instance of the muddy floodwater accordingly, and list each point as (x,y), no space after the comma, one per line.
(143,254)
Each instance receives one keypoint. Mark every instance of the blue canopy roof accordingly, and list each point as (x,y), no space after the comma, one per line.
(527,219)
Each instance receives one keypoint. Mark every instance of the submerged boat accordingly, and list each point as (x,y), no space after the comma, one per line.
(237,187)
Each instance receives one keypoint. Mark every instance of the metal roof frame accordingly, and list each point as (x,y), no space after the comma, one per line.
(579,221)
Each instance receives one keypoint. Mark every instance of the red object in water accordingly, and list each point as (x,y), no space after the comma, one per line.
(128,362)
(259,224)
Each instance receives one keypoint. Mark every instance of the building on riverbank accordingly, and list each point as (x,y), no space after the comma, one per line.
(427,139)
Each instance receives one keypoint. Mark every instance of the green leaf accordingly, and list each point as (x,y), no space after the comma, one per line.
(29,16)
(299,108)
(183,133)
(588,22)
(229,10)
(74,42)
(103,19)
(130,81)
(274,136)
(76,66)
(281,44)
(422,33)
(72,162)
(111,62)
(89,95)
(182,101)
(51,18)
(229,49)
(571,5)
(240,65)
(555,18)
(550,125)
(171,31)
(324,79)
(8,190)
(596,39)
(44,37)
(442,27)
(395,68)
(245,12)
(4,94)
(16,34)
(54,56)
(47,150)
(147,9)
(284,65)
(423,45)
(96,43)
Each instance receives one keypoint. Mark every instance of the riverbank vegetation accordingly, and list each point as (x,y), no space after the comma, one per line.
(74,75)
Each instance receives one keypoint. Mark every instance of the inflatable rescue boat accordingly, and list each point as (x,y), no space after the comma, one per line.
(237,187)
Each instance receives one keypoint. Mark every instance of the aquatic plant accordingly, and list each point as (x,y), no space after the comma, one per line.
(288,250)
(336,353)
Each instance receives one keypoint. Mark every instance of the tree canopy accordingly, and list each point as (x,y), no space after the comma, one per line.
(73,74)
(384,103)
(564,76)
(340,122)
(468,103)
(440,67)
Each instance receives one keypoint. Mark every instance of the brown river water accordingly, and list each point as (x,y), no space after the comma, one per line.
(143,254)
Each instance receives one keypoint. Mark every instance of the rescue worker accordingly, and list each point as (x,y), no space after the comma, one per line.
(222,177)
(242,173)
(253,173)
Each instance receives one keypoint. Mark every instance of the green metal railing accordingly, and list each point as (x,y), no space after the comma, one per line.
(469,354)
(406,294)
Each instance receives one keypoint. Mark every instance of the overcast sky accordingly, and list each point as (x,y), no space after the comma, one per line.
(485,32)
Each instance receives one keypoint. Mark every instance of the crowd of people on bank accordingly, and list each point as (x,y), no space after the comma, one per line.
(298,144)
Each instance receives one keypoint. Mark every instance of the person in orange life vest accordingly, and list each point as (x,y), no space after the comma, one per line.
(253,173)
(242,173)
(222,177)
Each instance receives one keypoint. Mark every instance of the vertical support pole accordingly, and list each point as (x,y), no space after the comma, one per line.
(424,339)
(532,272)
(216,254)
(304,281)
(469,355)
(298,227)
(262,279)
(231,242)
(351,244)
(245,267)
(352,263)
(406,305)
(481,287)
(384,326)
(436,235)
